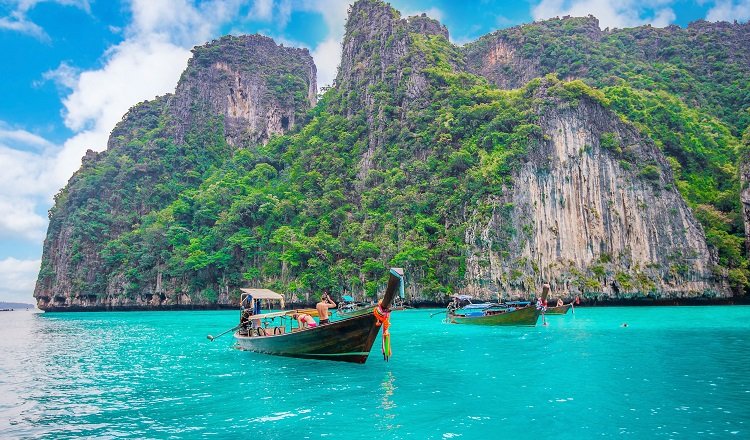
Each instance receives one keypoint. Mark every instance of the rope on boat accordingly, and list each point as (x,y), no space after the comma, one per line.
(383,318)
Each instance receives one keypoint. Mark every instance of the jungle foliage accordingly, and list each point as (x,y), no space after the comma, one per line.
(305,212)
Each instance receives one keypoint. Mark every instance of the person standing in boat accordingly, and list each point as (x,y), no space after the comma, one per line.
(322,307)
(541,304)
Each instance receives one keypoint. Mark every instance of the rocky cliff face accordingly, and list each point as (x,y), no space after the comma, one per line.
(379,58)
(594,209)
(258,88)
(510,58)
(236,92)
(411,158)
(713,55)
(745,185)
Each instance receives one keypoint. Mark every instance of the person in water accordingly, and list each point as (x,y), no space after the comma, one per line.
(322,307)
(304,320)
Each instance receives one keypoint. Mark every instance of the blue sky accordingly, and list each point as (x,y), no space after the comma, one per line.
(72,68)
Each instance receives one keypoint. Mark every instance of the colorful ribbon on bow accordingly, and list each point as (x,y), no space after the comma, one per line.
(383,318)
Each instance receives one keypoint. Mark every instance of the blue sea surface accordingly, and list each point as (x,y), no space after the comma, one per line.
(673,372)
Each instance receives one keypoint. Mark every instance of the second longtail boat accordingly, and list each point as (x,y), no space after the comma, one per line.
(507,313)
(558,310)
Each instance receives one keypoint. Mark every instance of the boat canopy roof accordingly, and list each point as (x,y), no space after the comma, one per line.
(347,298)
(271,315)
(463,297)
(261,294)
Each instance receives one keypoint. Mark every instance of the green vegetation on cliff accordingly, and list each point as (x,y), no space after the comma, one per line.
(687,89)
(294,211)
(393,166)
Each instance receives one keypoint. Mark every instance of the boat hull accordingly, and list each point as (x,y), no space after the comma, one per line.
(348,340)
(527,316)
(561,310)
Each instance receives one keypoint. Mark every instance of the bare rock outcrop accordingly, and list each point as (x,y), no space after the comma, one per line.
(745,185)
(258,88)
(381,67)
(594,209)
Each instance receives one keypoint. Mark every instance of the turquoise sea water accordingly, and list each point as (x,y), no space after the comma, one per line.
(673,372)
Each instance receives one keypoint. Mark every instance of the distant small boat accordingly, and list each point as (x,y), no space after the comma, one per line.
(558,310)
(519,313)
(349,308)
(347,340)
(399,304)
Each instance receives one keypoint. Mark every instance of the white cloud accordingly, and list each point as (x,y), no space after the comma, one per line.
(22,137)
(18,21)
(612,13)
(179,21)
(20,220)
(65,76)
(663,17)
(261,10)
(285,14)
(146,64)
(25,183)
(327,56)
(729,10)
(17,278)
(24,26)
(135,70)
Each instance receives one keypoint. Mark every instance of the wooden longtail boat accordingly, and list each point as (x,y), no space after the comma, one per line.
(347,340)
(498,314)
(558,310)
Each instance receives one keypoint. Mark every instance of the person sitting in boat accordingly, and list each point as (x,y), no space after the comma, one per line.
(304,320)
(322,307)
(560,302)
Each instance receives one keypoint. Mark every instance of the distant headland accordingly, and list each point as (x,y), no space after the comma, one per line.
(11,306)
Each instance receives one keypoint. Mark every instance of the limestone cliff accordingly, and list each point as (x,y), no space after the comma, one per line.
(593,209)
(379,58)
(417,157)
(745,185)
(258,88)
(236,92)
(699,63)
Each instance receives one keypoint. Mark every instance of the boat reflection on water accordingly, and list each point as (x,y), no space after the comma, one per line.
(387,404)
